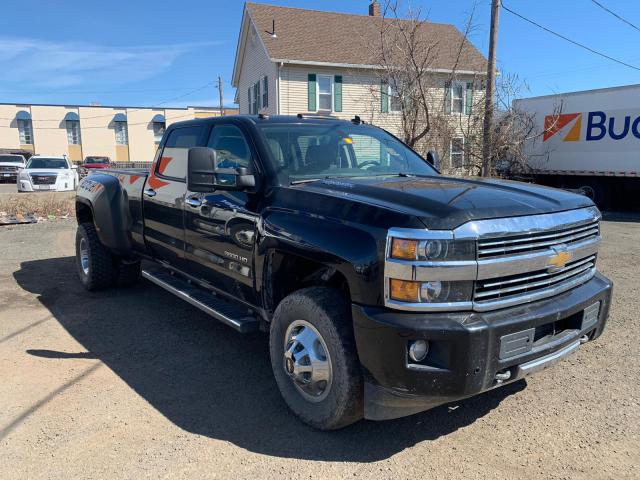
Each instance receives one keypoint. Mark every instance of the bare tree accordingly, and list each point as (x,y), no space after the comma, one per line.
(406,53)
(412,88)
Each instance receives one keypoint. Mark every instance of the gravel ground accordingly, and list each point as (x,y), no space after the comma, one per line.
(134,383)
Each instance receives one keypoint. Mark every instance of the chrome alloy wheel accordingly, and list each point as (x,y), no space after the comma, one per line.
(84,256)
(306,360)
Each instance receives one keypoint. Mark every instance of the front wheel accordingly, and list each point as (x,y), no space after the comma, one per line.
(314,360)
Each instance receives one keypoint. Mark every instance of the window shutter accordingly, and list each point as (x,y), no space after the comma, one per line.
(258,95)
(384,97)
(337,93)
(311,92)
(249,99)
(266,92)
(468,102)
(447,97)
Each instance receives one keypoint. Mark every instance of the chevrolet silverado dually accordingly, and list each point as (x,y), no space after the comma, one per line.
(386,288)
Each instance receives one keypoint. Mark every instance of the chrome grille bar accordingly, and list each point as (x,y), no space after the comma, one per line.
(508,246)
(532,282)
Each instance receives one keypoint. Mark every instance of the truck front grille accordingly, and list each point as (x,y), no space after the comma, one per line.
(533,242)
(513,286)
(8,169)
(43,179)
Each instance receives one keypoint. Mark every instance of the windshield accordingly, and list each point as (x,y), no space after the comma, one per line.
(42,162)
(307,151)
(11,158)
(97,160)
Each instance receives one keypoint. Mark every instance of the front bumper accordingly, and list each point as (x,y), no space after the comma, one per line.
(61,185)
(8,177)
(468,349)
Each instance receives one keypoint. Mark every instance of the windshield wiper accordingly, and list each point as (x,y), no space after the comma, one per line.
(306,180)
(388,174)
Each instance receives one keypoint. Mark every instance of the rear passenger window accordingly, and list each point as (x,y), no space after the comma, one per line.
(173,162)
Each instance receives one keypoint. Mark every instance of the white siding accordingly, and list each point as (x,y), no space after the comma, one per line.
(255,65)
(361,96)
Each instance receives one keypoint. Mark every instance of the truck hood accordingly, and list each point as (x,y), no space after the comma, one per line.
(446,203)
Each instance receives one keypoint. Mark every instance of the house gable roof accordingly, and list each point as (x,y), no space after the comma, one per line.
(318,37)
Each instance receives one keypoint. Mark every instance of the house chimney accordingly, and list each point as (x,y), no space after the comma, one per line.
(374,9)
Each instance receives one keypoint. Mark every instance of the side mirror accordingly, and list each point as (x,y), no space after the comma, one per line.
(433,159)
(203,174)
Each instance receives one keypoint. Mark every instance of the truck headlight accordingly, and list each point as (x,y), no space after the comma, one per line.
(433,291)
(432,249)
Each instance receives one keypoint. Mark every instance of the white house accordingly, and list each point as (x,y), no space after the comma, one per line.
(290,61)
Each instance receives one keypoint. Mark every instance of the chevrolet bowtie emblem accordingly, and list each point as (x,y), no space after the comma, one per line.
(559,259)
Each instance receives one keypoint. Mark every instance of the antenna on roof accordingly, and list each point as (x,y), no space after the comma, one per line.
(273,29)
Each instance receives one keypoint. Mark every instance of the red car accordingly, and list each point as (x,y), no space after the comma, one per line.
(93,163)
(96,162)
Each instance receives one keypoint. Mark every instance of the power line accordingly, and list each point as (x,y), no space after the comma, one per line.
(569,40)
(99,126)
(206,85)
(622,19)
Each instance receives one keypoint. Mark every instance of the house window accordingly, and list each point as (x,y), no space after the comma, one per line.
(73,132)
(265,92)
(254,103)
(457,97)
(394,99)
(122,138)
(25,129)
(325,93)
(456,152)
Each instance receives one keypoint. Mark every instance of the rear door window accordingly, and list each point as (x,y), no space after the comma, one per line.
(173,162)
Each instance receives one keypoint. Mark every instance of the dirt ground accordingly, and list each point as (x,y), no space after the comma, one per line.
(134,383)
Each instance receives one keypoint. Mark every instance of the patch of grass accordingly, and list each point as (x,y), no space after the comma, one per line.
(43,205)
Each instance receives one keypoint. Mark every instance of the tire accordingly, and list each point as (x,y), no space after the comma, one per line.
(127,272)
(596,191)
(324,312)
(94,263)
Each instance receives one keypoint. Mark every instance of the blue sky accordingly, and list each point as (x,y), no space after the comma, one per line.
(166,52)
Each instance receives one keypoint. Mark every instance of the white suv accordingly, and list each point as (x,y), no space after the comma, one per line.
(9,165)
(48,173)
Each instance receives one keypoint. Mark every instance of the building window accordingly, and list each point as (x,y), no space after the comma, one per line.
(122,138)
(394,100)
(158,131)
(73,132)
(456,152)
(457,97)
(25,129)
(325,93)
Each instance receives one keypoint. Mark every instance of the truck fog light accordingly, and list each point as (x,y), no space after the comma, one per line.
(418,350)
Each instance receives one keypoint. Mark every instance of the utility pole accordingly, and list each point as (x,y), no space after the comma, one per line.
(220,92)
(489,103)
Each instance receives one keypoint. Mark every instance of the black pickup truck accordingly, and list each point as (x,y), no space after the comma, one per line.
(386,288)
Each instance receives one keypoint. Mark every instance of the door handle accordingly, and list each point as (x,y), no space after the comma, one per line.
(149,192)
(194,202)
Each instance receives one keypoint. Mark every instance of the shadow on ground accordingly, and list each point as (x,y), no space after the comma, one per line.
(210,380)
